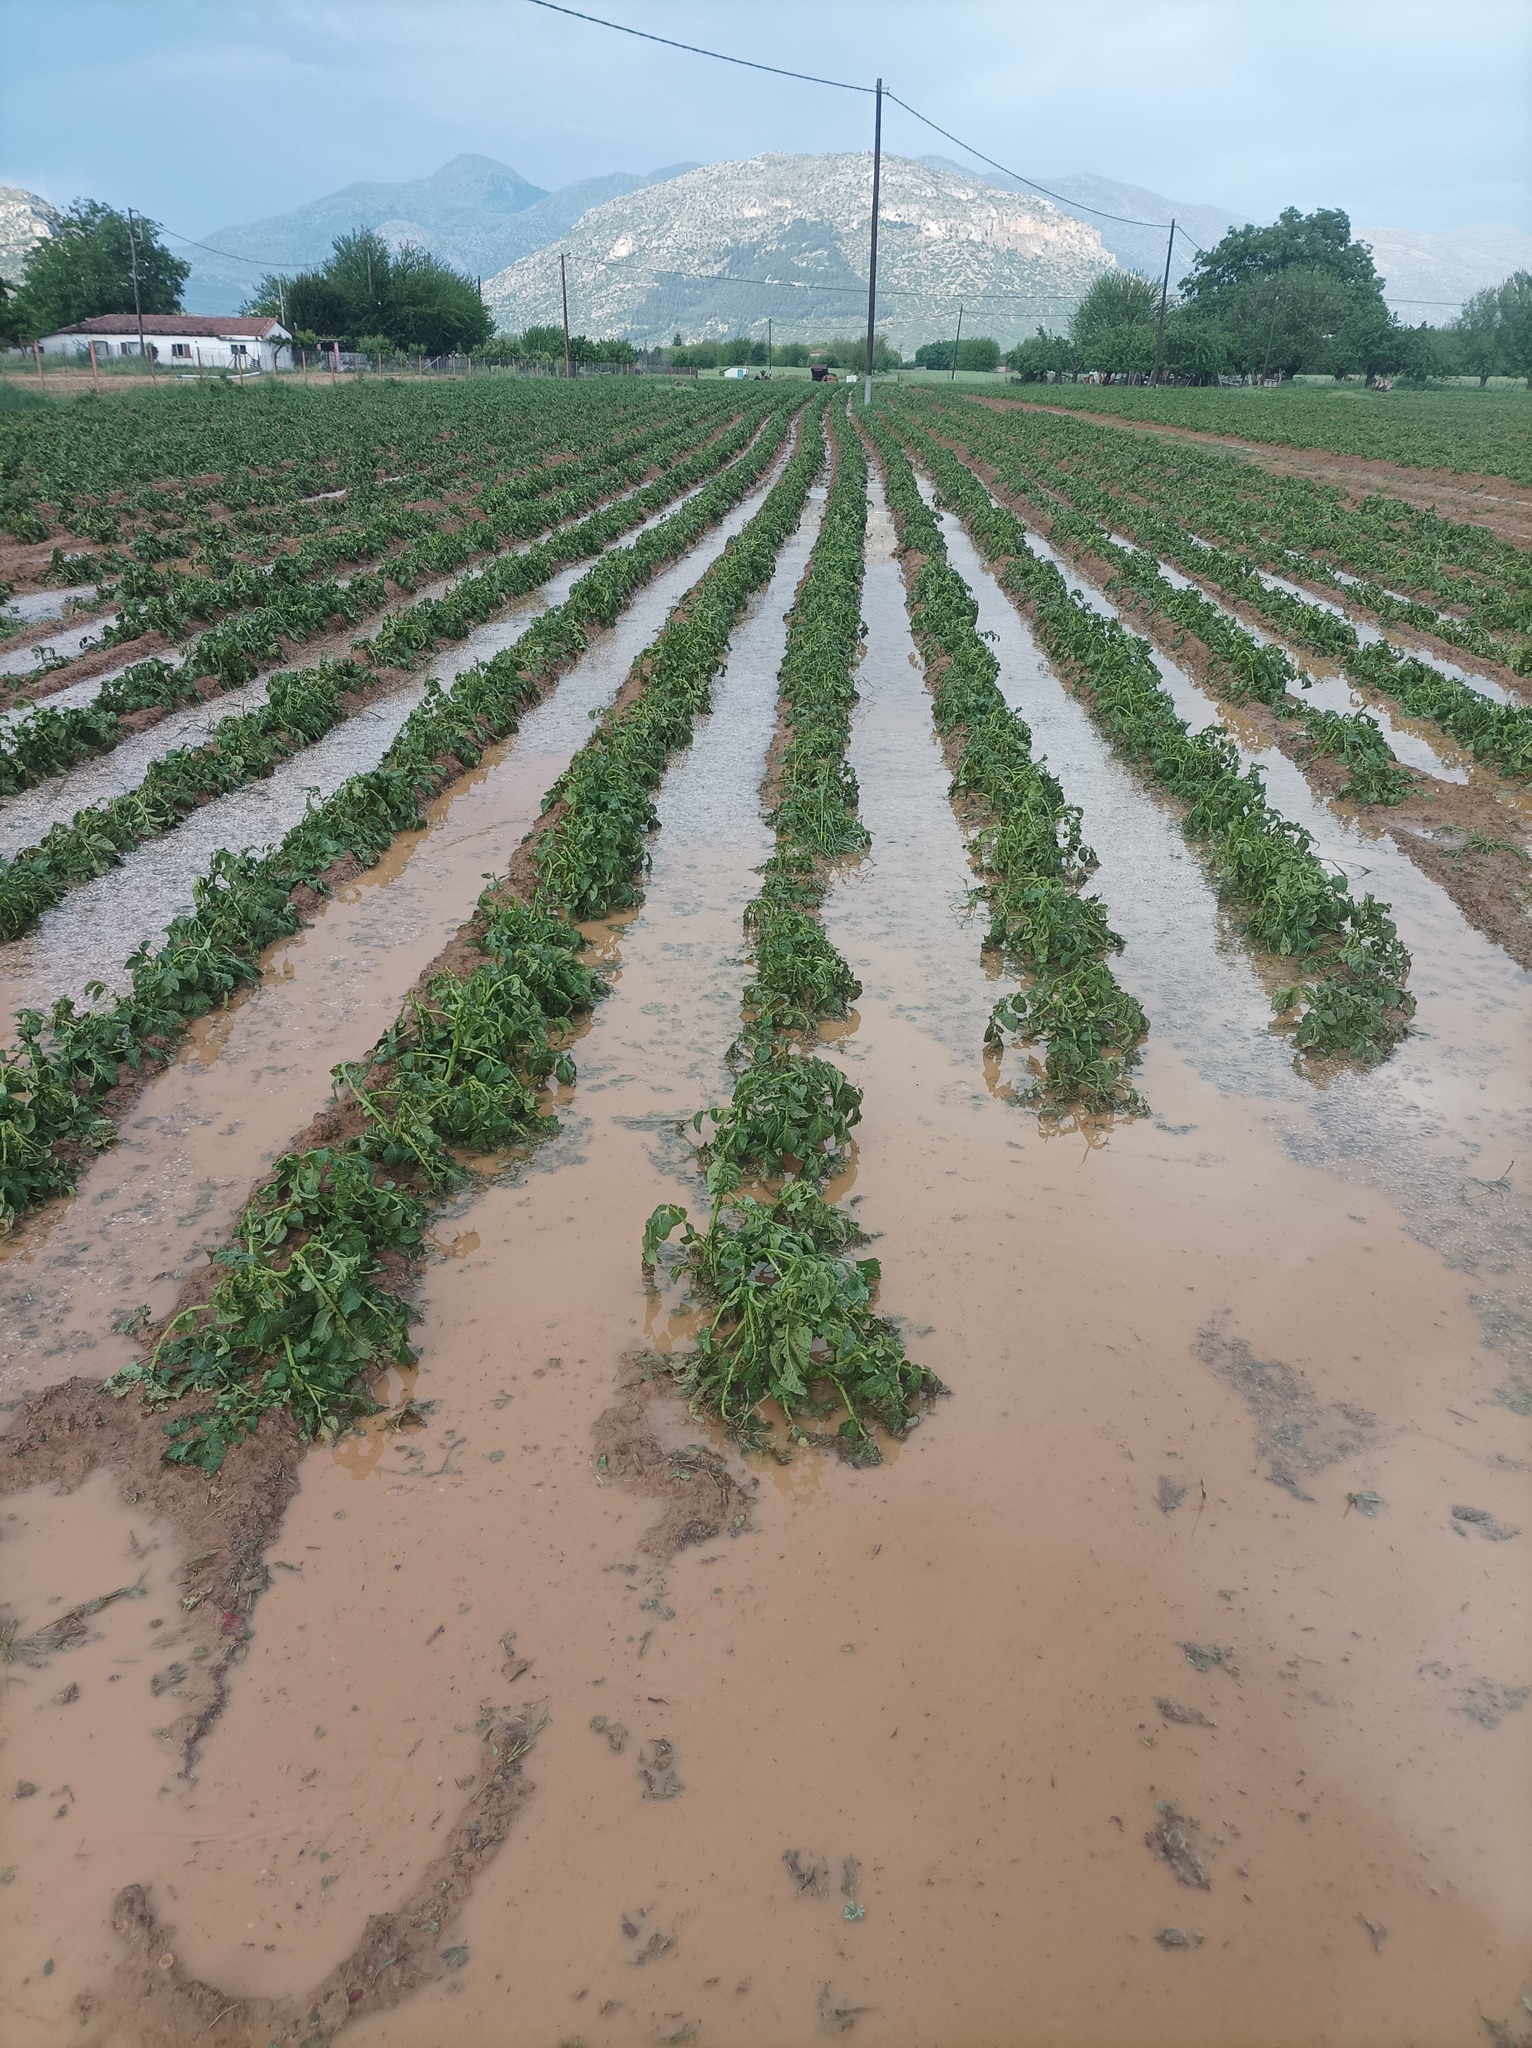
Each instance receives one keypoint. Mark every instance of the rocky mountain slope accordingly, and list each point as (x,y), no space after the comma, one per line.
(1135,248)
(1427,276)
(25,220)
(789,233)
(474,213)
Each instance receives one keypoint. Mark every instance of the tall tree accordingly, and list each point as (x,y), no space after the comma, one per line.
(1478,332)
(400,297)
(1516,324)
(1113,325)
(86,268)
(1298,294)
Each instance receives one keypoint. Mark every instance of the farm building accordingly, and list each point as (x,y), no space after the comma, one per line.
(188,341)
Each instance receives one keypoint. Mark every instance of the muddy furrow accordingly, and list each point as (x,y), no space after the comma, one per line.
(26,817)
(420,1504)
(1466,829)
(90,664)
(74,1273)
(963,1673)
(87,937)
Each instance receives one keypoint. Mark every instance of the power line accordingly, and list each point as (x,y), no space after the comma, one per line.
(884,291)
(696,50)
(272,262)
(841,85)
(1075,204)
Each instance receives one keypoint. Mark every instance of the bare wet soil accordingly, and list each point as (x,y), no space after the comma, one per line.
(1155,1691)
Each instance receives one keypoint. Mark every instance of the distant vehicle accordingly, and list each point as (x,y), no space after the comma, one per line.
(818,372)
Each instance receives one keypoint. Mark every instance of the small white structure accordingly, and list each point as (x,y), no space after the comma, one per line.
(181,341)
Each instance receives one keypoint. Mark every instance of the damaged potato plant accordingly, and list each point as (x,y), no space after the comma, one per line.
(68,1060)
(1352,996)
(301,1310)
(1029,854)
(308,1302)
(790,1310)
(300,710)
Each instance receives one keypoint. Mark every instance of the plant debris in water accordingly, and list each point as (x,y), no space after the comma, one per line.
(1173,1838)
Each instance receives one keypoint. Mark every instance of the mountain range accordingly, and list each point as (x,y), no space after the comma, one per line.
(803,217)
(722,249)
(474,213)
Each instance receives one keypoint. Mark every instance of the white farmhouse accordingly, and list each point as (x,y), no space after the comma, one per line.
(183,341)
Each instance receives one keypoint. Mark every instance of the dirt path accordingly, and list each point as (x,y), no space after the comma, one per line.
(1490,501)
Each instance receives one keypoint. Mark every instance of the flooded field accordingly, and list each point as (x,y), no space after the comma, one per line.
(1164,1681)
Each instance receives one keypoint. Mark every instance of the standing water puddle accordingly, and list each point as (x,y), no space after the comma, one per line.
(1116,1719)
(73,1273)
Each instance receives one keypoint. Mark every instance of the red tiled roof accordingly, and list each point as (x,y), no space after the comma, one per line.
(218,327)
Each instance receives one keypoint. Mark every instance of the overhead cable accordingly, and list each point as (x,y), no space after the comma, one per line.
(696,50)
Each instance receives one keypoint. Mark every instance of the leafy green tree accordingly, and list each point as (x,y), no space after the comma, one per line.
(1316,241)
(1478,333)
(1196,348)
(974,352)
(1113,325)
(1043,355)
(10,321)
(365,288)
(86,268)
(1516,324)
(1298,294)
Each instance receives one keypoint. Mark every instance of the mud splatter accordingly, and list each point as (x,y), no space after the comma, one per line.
(701,1496)
(1184,1717)
(1464,1519)
(1488,1703)
(1296,1434)
(1168,1494)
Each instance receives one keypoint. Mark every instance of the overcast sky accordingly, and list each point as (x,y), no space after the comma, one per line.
(1409,115)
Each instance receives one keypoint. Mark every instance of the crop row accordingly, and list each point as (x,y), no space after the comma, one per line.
(164,451)
(44,741)
(1351,996)
(1030,853)
(1500,734)
(1484,431)
(790,1310)
(491,514)
(66,1062)
(303,1309)
(1293,525)
(301,708)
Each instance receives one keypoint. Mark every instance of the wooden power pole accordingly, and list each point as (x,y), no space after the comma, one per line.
(872,247)
(564,295)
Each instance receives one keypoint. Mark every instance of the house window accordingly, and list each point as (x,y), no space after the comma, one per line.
(238,348)
(181,348)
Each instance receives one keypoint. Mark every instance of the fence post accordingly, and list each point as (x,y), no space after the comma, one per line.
(39,355)
(95,374)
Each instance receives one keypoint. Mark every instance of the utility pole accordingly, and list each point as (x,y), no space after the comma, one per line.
(1159,331)
(768,344)
(564,295)
(952,374)
(1272,329)
(872,247)
(138,307)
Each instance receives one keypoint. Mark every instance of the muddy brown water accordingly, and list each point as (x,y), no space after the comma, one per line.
(75,1271)
(1175,1352)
